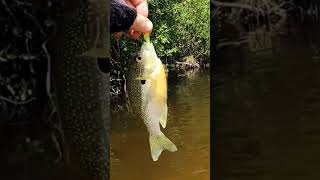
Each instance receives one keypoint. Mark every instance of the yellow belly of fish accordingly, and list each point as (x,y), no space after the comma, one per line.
(158,85)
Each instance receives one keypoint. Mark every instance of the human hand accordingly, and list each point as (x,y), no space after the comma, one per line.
(130,16)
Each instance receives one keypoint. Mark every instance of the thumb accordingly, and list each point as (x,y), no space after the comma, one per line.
(141,24)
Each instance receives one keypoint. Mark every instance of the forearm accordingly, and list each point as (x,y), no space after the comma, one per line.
(121,16)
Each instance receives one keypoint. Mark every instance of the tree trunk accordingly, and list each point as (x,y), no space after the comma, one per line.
(81,86)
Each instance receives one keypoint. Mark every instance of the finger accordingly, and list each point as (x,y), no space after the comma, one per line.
(142,24)
(130,4)
(135,34)
(142,8)
(137,2)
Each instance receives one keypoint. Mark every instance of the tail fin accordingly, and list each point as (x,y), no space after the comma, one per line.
(158,143)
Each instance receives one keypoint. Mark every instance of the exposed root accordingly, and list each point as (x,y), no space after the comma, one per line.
(270,13)
(17,102)
(58,148)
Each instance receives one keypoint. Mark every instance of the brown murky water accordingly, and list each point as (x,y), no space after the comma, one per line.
(188,127)
(267,104)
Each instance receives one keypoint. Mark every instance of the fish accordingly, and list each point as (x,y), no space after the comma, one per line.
(148,96)
(82,89)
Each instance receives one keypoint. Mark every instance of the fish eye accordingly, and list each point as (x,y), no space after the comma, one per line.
(138,59)
(143,82)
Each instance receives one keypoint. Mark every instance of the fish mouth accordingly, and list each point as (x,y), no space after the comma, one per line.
(142,81)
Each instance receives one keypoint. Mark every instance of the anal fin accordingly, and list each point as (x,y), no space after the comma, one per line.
(163,117)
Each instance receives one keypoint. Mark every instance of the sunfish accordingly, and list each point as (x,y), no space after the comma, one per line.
(149,95)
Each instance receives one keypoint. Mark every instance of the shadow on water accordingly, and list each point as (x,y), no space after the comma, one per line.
(267,105)
(188,127)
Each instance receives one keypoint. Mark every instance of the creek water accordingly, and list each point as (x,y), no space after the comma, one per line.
(188,127)
(267,105)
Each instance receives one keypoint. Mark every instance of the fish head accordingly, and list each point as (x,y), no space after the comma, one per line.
(147,61)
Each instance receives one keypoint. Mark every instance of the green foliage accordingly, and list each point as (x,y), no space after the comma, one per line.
(180,28)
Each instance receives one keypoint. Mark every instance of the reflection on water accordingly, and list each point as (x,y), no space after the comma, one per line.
(188,127)
(267,107)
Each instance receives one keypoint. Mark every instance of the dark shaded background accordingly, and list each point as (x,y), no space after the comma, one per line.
(266,101)
(30,132)
(29,138)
